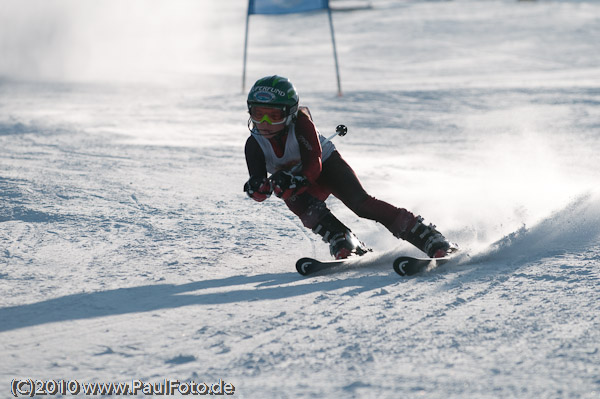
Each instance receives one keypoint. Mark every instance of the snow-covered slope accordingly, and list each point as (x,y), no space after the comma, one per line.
(128,250)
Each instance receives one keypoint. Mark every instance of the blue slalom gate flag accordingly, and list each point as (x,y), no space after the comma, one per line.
(285,6)
(276,7)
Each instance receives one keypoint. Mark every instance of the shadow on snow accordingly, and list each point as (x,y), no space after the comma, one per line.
(168,296)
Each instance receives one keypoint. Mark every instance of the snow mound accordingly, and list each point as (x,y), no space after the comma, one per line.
(573,228)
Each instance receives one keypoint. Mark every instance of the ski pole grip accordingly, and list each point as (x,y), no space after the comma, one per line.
(340,130)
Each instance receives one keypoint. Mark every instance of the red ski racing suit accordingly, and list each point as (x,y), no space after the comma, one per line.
(331,176)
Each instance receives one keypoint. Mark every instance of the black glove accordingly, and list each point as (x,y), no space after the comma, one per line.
(258,188)
(287,184)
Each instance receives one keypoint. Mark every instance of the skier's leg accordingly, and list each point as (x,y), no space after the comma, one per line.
(341,179)
(315,215)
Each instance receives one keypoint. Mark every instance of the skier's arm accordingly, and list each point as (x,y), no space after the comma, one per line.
(255,159)
(258,187)
(310,146)
(295,182)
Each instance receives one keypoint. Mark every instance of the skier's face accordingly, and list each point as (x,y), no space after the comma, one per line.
(269,121)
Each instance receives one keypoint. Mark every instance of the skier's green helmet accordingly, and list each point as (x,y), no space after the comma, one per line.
(275,91)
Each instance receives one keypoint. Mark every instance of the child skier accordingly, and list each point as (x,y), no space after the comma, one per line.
(285,143)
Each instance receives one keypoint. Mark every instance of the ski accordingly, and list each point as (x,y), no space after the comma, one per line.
(306,266)
(403,265)
(408,265)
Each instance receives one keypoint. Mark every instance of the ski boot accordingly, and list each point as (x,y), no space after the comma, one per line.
(426,238)
(342,242)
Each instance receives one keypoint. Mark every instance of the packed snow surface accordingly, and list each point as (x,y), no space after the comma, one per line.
(128,250)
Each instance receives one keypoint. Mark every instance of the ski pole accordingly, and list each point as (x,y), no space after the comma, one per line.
(340,130)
